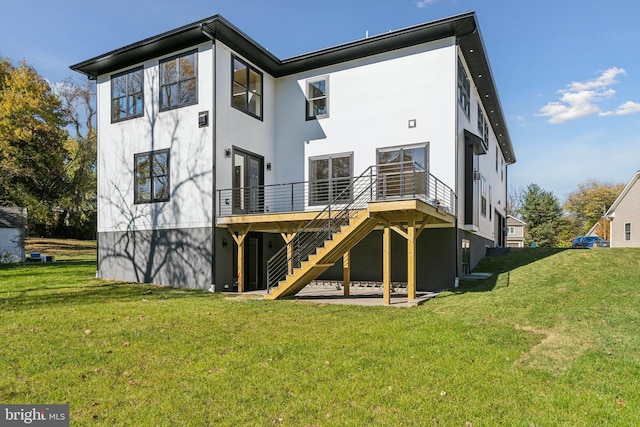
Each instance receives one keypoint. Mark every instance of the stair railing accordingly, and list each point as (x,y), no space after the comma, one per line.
(329,221)
(403,180)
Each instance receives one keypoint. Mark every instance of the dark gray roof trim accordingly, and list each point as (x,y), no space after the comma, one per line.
(463,26)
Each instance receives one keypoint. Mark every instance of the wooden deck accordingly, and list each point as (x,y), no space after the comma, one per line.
(407,217)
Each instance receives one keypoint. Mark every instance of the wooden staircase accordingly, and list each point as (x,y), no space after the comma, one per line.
(359,226)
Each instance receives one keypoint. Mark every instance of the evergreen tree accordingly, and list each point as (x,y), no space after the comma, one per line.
(543,215)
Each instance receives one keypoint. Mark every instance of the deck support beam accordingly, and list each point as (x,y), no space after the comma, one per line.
(239,237)
(411,261)
(288,237)
(386,265)
(346,272)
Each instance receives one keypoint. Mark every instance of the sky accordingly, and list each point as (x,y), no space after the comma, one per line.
(567,71)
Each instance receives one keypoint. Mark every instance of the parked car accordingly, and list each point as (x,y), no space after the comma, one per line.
(586,242)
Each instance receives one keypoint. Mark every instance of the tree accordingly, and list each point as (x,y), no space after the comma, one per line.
(77,203)
(515,199)
(587,205)
(32,135)
(543,215)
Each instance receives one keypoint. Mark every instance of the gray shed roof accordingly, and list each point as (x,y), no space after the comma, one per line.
(13,217)
(463,26)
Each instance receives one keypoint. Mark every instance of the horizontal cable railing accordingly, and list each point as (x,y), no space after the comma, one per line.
(397,181)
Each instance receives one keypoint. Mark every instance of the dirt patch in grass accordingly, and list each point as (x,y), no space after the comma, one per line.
(555,353)
(61,247)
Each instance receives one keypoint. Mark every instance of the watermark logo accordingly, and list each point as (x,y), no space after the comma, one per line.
(34,415)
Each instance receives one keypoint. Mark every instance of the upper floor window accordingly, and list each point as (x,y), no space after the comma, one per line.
(464,89)
(178,81)
(151,179)
(127,95)
(627,231)
(480,121)
(512,230)
(317,98)
(329,177)
(246,90)
(483,195)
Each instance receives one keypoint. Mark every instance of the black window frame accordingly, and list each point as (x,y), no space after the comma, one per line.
(179,82)
(483,196)
(464,89)
(247,88)
(334,185)
(310,100)
(151,176)
(127,96)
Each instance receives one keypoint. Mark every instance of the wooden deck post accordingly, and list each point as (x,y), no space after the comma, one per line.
(346,272)
(411,261)
(386,265)
(288,237)
(239,237)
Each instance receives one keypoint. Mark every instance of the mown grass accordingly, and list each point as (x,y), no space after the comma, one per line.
(551,339)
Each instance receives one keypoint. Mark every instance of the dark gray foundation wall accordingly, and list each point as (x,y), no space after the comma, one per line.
(435,259)
(478,247)
(177,257)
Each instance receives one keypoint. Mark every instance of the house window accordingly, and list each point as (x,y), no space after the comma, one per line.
(151,176)
(329,176)
(317,98)
(246,88)
(496,158)
(480,120)
(502,170)
(403,170)
(627,231)
(127,95)
(512,230)
(178,81)
(483,196)
(464,89)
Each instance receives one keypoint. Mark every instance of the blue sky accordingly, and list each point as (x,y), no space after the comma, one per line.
(567,71)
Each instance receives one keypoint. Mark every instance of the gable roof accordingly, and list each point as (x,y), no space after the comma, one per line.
(623,194)
(513,218)
(464,27)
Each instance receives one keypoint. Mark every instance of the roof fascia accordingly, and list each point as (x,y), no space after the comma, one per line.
(623,194)
(463,26)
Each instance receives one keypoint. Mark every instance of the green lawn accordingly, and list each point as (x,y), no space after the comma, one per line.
(553,339)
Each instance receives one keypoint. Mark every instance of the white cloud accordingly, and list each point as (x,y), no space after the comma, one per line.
(425,3)
(628,107)
(581,99)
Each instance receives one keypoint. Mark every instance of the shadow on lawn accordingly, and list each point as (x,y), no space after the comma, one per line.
(501,265)
(57,285)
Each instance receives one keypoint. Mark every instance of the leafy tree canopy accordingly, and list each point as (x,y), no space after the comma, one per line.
(542,212)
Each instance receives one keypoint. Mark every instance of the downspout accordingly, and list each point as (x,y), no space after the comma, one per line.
(214,123)
(456,161)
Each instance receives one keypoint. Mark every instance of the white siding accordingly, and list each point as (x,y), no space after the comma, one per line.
(496,179)
(627,212)
(235,128)
(190,156)
(371,102)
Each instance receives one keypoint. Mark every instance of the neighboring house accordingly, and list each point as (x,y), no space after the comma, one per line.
(13,224)
(624,216)
(516,232)
(215,156)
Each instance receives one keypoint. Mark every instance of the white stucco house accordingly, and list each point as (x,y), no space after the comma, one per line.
(222,166)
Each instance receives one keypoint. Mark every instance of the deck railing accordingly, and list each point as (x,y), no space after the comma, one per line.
(398,181)
(403,180)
